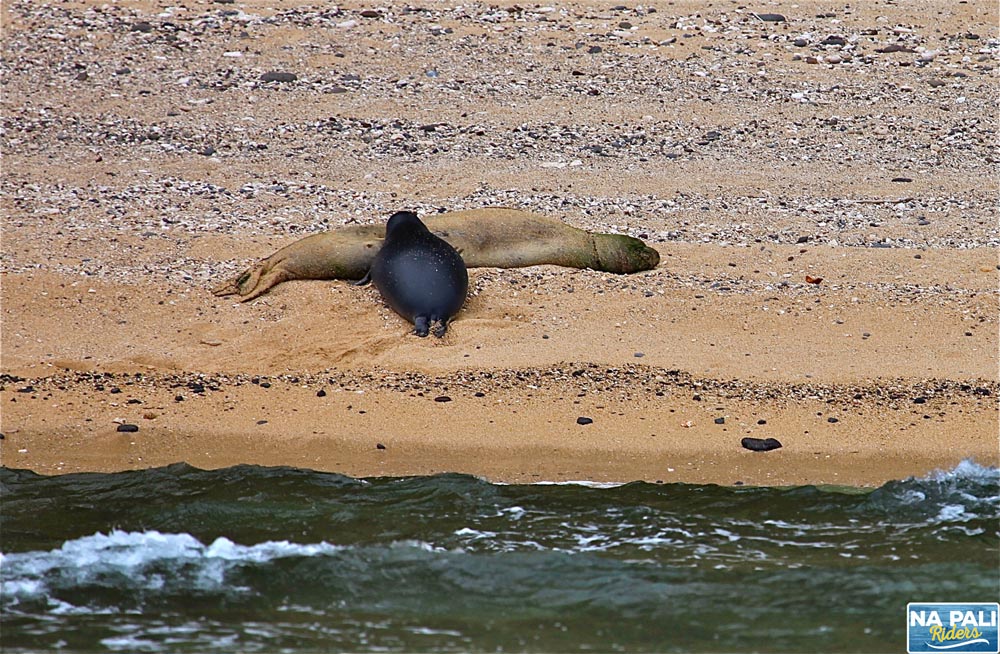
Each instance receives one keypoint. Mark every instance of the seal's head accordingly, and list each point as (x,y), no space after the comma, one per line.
(403,222)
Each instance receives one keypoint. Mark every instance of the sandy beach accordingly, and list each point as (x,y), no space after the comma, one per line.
(147,158)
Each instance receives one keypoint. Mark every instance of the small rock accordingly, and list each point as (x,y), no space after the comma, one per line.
(370,13)
(771,18)
(321,393)
(583,420)
(143,26)
(893,47)
(832,420)
(262,422)
(275,76)
(207,152)
(902,180)
(442,398)
(720,421)
(920,400)
(379,446)
(760,444)
(594,49)
(128,427)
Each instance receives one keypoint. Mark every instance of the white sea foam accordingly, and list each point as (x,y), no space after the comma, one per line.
(24,574)
(966,469)
(582,482)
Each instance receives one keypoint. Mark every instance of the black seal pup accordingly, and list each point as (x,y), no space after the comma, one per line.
(420,276)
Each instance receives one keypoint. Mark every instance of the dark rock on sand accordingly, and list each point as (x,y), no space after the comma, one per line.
(760,444)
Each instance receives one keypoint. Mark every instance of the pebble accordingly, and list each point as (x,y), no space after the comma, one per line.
(760,444)
(442,398)
(720,421)
(276,76)
(894,47)
(379,446)
(127,427)
(771,18)
(583,420)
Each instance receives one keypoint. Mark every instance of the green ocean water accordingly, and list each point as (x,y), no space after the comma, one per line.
(251,559)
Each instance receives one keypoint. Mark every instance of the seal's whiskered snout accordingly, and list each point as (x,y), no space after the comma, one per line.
(420,276)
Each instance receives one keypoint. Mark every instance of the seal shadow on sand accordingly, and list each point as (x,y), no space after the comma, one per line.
(359,345)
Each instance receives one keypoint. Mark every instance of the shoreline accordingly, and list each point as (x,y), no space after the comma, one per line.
(662,427)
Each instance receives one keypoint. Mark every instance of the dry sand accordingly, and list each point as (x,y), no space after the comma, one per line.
(144,161)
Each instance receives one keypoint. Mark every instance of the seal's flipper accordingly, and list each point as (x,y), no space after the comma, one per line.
(421,326)
(364,281)
(440,329)
(254,281)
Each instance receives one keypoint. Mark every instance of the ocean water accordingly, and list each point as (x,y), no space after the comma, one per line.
(251,559)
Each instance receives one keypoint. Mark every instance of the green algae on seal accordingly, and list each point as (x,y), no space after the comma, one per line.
(492,237)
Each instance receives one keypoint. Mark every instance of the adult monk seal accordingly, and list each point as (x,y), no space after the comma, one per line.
(491,237)
(418,274)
